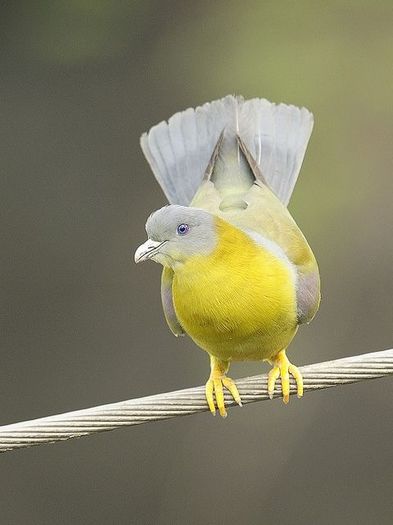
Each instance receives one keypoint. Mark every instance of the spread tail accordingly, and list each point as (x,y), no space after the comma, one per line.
(274,135)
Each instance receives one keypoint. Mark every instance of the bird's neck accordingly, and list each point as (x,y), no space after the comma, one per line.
(234,249)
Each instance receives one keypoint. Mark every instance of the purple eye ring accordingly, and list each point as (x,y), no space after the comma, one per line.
(182,229)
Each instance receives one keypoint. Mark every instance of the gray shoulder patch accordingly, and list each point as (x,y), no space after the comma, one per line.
(167,303)
(307,296)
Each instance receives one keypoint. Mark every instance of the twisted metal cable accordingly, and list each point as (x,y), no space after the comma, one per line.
(185,402)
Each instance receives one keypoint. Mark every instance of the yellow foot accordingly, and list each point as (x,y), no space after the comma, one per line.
(215,384)
(214,387)
(282,367)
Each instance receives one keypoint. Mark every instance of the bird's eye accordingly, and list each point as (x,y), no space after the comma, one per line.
(182,229)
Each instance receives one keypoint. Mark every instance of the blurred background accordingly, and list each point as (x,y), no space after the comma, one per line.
(82,324)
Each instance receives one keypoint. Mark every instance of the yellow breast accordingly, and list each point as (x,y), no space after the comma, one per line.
(238,302)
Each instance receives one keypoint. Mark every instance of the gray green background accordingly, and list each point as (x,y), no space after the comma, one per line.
(82,325)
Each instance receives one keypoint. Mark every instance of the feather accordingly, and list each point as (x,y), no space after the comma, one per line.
(167,302)
(276,137)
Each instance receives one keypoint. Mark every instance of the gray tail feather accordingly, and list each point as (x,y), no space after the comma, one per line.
(276,136)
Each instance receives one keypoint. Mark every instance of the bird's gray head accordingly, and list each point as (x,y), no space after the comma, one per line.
(177,233)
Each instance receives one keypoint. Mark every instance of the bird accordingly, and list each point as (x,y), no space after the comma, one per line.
(238,277)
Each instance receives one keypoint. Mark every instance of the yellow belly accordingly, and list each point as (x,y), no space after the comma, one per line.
(239,302)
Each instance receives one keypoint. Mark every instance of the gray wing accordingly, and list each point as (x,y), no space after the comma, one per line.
(308,295)
(167,302)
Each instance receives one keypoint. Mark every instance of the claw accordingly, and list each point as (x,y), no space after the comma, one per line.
(214,387)
(295,372)
(283,367)
(231,386)
(209,391)
(271,380)
(219,397)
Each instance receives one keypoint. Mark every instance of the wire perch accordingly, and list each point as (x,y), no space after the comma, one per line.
(185,402)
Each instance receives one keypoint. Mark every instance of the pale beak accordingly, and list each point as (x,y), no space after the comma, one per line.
(147,250)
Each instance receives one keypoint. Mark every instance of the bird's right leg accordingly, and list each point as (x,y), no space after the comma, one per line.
(215,384)
(282,367)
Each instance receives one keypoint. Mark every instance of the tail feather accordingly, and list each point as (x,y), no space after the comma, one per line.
(276,136)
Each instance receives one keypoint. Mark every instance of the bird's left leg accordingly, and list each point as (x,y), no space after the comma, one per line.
(215,384)
(283,367)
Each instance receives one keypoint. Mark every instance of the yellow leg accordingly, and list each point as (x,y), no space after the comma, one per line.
(215,384)
(282,367)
